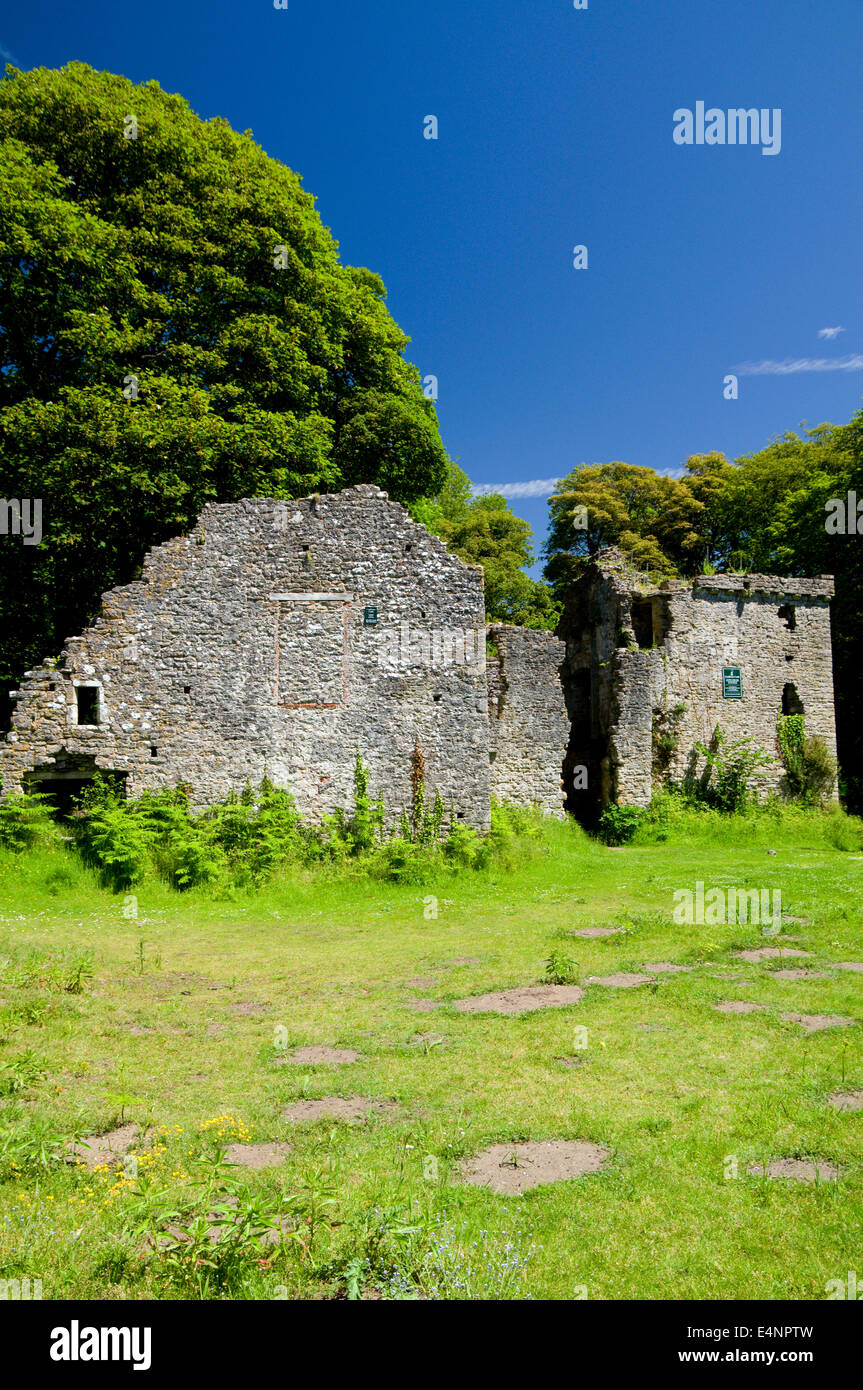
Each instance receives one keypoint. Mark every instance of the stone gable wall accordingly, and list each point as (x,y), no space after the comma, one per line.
(243,650)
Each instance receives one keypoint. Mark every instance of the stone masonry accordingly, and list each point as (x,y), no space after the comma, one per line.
(263,643)
(280,638)
(643,676)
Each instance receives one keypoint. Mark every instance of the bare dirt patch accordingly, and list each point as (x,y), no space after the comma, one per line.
(511,1168)
(175,982)
(423,1006)
(466,960)
(136,1030)
(97,1149)
(334,1108)
(796,1170)
(854,965)
(814,1023)
(739,1006)
(593,933)
(249,1008)
(428,1040)
(622,980)
(314,1056)
(802,974)
(422,982)
(769,953)
(846,1100)
(521,1001)
(257,1155)
(668,967)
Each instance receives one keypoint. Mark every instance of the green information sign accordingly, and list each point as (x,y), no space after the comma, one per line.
(370,617)
(732,683)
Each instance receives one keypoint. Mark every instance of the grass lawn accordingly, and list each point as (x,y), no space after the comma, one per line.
(182,1020)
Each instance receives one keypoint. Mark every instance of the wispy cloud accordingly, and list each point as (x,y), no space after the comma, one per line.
(791,366)
(830,333)
(6,55)
(537,487)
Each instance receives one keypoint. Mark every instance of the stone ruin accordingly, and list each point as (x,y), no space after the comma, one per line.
(280,638)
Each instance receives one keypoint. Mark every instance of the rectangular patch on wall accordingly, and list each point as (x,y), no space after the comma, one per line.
(732,683)
(311,651)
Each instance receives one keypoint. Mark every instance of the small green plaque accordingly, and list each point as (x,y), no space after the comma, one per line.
(370,617)
(732,683)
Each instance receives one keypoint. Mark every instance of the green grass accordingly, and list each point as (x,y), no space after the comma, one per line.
(328,957)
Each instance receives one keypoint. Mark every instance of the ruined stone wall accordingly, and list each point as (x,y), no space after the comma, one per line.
(735,621)
(528,723)
(645,661)
(245,650)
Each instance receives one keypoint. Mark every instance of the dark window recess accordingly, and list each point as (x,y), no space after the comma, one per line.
(459,815)
(187,690)
(436,699)
(87,698)
(787,611)
(408,547)
(642,623)
(791,701)
(154,752)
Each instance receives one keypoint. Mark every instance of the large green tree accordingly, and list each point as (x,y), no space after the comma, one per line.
(176,327)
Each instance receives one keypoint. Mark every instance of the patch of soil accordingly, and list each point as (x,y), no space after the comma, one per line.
(215,1030)
(334,1108)
(769,953)
(739,1006)
(592,933)
(176,982)
(334,1056)
(653,1028)
(622,980)
(96,1149)
(668,967)
(521,1001)
(423,1006)
(136,1030)
(802,921)
(257,1155)
(854,965)
(511,1168)
(813,1023)
(249,1008)
(466,960)
(799,975)
(846,1100)
(796,1170)
(571,1061)
(422,982)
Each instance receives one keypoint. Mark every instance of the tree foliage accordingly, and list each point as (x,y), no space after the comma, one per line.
(176,327)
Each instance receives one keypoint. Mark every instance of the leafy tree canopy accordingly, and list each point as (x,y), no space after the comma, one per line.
(175,327)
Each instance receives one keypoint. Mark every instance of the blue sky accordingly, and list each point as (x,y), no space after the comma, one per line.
(555,130)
